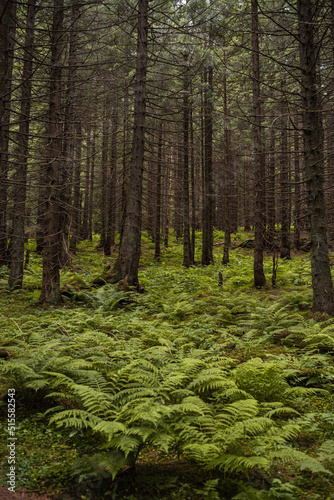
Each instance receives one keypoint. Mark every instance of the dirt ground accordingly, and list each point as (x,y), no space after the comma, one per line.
(5,494)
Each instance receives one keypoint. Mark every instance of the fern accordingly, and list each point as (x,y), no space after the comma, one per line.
(278,491)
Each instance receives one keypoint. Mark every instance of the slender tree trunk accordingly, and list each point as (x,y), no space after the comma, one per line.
(50,293)
(192,184)
(124,166)
(259,277)
(271,207)
(91,190)
(168,199)
(111,182)
(68,140)
(208,198)
(297,211)
(323,294)
(228,174)
(151,194)
(22,153)
(7,29)
(330,146)
(157,248)
(187,254)
(87,184)
(127,263)
(76,205)
(227,199)
(248,190)
(285,186)
(104,176)
(178,194)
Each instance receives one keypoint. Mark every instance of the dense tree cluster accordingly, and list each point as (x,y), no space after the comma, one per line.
(118,117)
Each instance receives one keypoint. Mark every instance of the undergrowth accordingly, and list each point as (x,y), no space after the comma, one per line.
(207,391)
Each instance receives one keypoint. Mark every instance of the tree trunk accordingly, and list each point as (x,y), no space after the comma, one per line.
(323,294)
(227,200)
(248,200)
(187,253)
(50,293)
(111,182)
(76,205)
(104,176)
(22,152)
(68,140)
(91,190)
(192,184)
(208,199)
(87,184)
(285,186)
(330,146)
(259,277)
(178,191)
(127,263)
(151,194)
(270,192)
(228,174)
(7,26)
(168,198)
(297,211)
(157,238)
(124,166)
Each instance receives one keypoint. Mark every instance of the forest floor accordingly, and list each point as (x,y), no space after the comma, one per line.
(230,368)
(21,495)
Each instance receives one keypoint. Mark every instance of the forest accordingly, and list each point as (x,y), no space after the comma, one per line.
(166,249)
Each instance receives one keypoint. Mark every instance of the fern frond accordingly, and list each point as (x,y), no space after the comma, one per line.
(233,463)
(79,419)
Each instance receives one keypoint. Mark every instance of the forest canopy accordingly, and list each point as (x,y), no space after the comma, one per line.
(119,117)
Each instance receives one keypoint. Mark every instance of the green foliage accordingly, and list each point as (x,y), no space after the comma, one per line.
(279,491)
(232,380)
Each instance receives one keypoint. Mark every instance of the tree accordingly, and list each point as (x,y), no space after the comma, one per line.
(285,184)
(68,148)
(7,20)
(127,263)
(259,277)
(188,258)
(323,294)
(157,246)
(207,186)
(50,293)
(22,154)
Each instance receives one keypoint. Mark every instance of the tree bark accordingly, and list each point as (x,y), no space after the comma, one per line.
(50,293)
(126,266)
(228,174)
(297,211)
(227,200)
(111,181)
(259,277)
(157,238)
(270,192)
(104,176)
(22,153)
(92,187)
(285,186)
(187,253)
(7,28)
(86,196)
(208,198)
(76,205)
(192,184)
(68,140)
(323,294)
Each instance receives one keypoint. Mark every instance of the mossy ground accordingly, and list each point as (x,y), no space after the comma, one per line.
(183,306)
